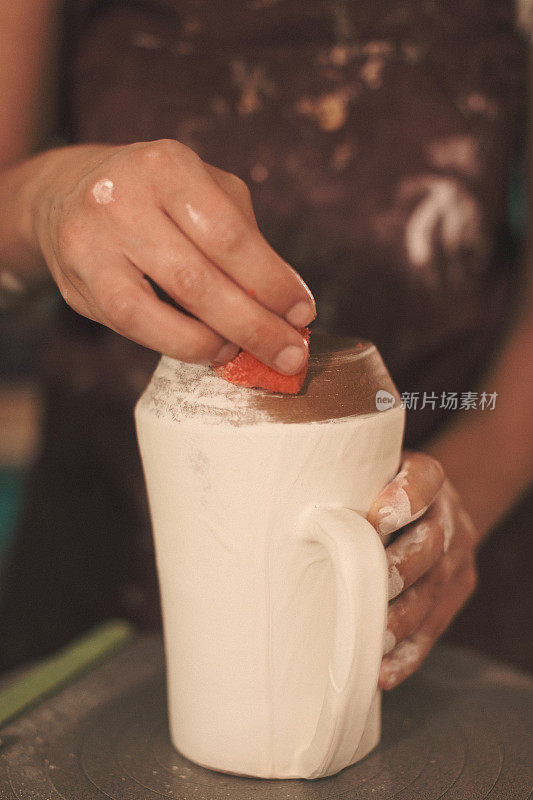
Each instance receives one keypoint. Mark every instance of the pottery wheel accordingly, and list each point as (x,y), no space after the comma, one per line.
(459,729)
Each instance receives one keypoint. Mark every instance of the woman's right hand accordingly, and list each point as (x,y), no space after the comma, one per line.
(108,216)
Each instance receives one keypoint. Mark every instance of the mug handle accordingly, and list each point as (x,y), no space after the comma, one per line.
(360,570)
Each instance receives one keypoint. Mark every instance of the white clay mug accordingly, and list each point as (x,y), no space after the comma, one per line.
(273,584)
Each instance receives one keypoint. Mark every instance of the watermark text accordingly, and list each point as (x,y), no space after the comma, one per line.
(449,401)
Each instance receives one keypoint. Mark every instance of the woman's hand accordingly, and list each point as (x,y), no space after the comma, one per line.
(432,570)
(108,217)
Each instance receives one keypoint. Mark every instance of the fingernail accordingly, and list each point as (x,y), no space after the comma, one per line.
(291,359)
(388,520)
(398,513)
(389,642)
(395,517)
(301,314)
(388,680)
(226,353)
(395,583)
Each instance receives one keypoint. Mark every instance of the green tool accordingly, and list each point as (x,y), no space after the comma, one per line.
(77,657)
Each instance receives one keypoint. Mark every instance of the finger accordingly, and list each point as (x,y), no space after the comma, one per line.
(78,301)
(408,495)
(128,305)
(416,550)
(454,517)
(75,296)
(205,213)
(407,656)
(406,612)
(194,282)
(235,189)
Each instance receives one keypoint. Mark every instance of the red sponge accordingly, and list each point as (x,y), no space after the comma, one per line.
(246,370)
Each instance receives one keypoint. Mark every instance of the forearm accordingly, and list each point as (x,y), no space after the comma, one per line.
(19,253)
(488,455)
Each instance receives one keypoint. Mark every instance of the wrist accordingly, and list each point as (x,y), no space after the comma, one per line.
(34,190)
(22,202)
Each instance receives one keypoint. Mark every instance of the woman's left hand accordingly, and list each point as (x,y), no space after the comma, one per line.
(432,569)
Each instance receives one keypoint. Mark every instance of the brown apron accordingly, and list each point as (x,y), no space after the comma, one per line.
(376,138)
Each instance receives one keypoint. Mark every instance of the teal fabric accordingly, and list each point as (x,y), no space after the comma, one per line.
(11,493)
